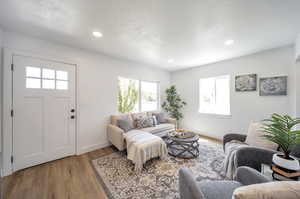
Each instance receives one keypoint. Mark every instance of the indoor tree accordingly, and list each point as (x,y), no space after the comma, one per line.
(173,104)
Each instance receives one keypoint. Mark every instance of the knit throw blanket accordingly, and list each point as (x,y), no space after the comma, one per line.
(230,163)
(142,146)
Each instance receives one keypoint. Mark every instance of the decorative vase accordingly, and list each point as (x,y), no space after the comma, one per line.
(290,164)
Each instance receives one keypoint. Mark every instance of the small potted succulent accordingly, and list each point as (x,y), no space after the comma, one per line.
(280,129)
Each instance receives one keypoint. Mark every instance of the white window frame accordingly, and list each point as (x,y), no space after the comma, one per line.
(229,90)
(41,79)
(140,92)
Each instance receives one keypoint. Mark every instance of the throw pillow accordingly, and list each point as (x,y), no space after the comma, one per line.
(144,122)
(255,137)
(273,190)
(154,120)
(125,124)
(161,117)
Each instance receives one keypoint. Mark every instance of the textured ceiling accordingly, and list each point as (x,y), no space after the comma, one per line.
(191,32)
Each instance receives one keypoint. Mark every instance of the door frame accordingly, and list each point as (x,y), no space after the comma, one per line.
(7,102)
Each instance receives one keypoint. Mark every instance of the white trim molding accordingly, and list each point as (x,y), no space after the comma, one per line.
(93,147)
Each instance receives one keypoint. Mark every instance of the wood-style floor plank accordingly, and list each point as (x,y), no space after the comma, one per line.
(67,178)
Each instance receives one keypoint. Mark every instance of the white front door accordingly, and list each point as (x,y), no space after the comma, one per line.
(44,121)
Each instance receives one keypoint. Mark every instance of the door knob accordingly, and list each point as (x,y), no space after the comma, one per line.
(72,110)
(72,116)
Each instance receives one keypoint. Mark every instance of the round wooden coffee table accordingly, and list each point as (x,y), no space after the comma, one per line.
(183,147)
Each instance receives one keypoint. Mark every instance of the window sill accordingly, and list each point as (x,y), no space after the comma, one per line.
(214,115)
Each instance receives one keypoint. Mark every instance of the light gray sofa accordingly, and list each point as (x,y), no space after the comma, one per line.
(115,134)
(191,189)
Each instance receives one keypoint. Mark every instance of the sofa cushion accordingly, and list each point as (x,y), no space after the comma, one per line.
(115,118)
(161,117)
(125,123)
(159,128)
(136,116)
(274,190)
(218,189)
(144,122)
(154,120)
(254,137)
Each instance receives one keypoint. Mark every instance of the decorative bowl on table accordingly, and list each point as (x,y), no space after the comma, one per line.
(182,134)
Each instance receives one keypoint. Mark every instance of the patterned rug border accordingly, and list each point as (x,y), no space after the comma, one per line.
(100,178)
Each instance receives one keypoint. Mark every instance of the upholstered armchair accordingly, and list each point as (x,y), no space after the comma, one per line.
(253,156)
(222,189)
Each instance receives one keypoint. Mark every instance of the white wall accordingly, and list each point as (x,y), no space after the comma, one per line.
(1,35)
(297,98)
(297,73)
(246,106)
(97,82)
(297,48)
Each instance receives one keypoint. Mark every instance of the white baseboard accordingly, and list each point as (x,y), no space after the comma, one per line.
(93,147)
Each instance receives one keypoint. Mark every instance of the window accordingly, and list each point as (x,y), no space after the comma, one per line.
(33,77)
(214,95)
(149,91)
(61,80)
(46,78)
(128,95)
(137,96)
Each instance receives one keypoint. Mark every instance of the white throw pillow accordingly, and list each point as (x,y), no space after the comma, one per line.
(255,137)
(270,190)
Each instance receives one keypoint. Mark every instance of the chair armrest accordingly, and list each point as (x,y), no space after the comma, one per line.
(115,136)
(248,176)
(296,151)
(172,121)
(188,187)
(233,136)
(253,157)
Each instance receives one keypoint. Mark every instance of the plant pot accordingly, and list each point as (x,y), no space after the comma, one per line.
(290,164)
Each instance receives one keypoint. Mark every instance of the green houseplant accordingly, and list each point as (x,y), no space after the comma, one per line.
(173,104)
(280,130)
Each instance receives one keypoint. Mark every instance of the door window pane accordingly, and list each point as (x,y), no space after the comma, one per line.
(48,73)
(33,72)
(33,83)
(48,84)
(149,94)
(61,75)
(61,85)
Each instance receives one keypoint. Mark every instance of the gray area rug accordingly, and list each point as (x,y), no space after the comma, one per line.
(159,178)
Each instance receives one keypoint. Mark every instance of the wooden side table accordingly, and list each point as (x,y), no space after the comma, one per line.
(277,174)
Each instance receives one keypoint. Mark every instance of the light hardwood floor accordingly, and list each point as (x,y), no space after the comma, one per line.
(67,178)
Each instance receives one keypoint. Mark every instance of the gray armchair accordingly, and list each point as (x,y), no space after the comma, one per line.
(191,189)
(252,156)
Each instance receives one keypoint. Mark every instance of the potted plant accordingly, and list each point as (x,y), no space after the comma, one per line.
(173,104)
(280,130)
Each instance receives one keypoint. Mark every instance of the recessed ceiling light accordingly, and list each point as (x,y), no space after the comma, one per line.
(170,60)
(97,34)
(229,42)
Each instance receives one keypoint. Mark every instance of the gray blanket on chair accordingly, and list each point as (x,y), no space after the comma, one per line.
(230,164)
